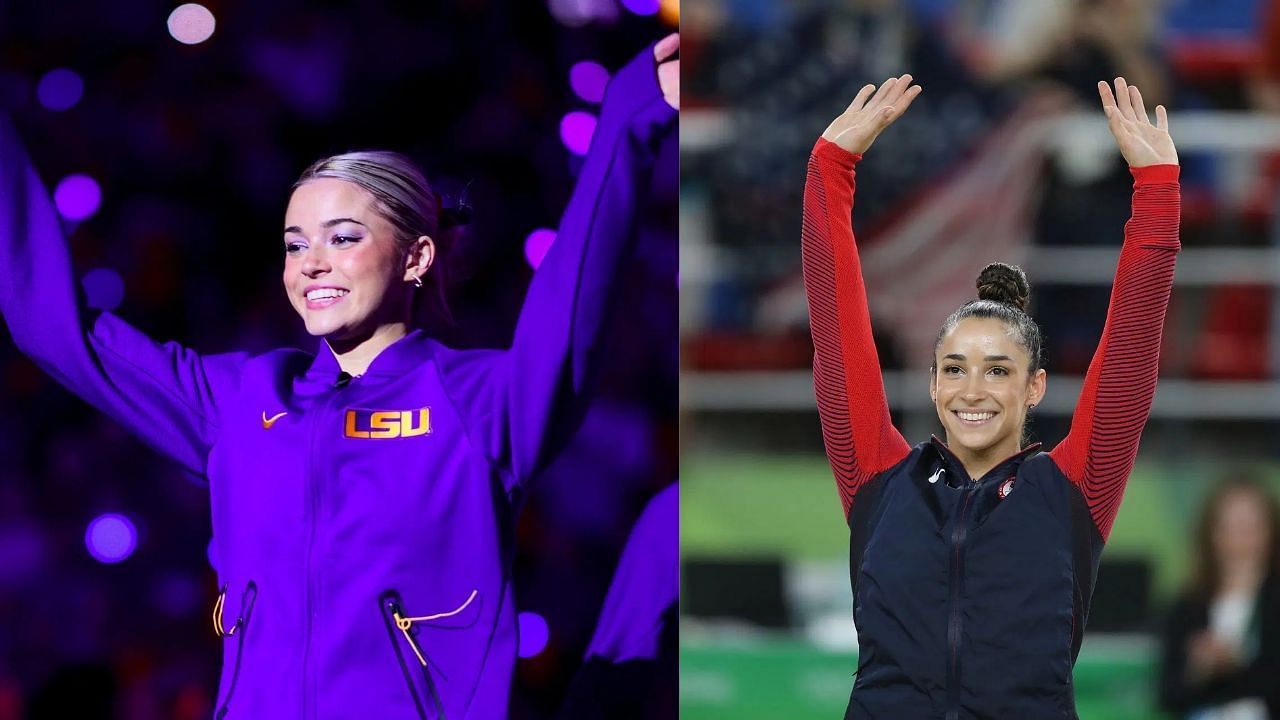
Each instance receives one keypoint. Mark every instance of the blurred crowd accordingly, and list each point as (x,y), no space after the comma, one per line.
(195,148)
(774,74)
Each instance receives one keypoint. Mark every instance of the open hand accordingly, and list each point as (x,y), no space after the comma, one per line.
(1140,142)
(862,122)
(669,70)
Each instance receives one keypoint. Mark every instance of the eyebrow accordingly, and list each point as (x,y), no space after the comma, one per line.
(326,224)
(989,358)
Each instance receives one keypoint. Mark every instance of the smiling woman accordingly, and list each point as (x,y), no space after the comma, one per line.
(972,559)
(363,231)
(363,495)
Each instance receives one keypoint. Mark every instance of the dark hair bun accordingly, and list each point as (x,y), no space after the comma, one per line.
(1005,284)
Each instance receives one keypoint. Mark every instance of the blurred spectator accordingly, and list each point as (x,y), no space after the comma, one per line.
(1222,642)
(1265,83)
(1071,43)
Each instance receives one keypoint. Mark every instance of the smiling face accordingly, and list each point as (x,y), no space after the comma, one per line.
(981,387)
(344,271)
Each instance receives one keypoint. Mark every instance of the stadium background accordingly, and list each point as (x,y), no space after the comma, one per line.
(172,164)
(1005,156)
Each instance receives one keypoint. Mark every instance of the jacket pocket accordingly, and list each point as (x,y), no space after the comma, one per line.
(234,632)
(414,664)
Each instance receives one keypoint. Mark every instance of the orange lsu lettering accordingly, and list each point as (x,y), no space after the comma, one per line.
(384,424)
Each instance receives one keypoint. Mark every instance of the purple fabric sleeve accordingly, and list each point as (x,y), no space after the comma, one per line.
(645,585)
(522,405)
(163,393)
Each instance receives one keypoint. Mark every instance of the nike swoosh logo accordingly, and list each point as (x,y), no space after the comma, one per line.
(934,478)
(266,424)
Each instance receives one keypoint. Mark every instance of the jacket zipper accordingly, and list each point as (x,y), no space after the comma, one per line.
(309,599)
(958,535)
(398,623)
(247,599)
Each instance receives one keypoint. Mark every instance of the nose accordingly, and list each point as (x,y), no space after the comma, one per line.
(973,388)
(315,263)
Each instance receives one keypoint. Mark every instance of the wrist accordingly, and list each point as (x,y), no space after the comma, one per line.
(1155,174)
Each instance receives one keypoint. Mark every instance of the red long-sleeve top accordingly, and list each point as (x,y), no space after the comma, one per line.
(1098,452)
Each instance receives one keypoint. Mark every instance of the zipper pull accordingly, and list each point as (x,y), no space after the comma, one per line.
(218,628)
(404,624)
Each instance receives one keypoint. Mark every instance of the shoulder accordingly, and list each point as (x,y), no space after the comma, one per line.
(454,362)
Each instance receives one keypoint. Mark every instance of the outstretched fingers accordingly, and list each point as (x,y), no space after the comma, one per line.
(1162,118)
(861,98)
(878,100)
(1139,109)
(1108,100)
(900,105)
(1123,101)
(666,47)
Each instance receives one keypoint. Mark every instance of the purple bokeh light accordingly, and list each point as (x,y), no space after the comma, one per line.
(576,13)
(588,79)
(191,24)
(537,245)
(60,89)
(642,7)
(534,634)
(576,130)
(111,538)
(103,288)
(77,197)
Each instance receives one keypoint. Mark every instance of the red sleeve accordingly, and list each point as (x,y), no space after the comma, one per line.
(856,428)
(1098,453)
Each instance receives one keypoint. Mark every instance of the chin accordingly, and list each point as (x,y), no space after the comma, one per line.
(975,442)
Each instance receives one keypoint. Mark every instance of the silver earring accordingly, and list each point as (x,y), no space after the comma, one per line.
(417,281)
(1032,406)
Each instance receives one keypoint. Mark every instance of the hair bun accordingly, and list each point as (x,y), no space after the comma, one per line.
(1006,284)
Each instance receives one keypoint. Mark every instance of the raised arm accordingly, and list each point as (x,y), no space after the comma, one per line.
(163,393)
(528,402)
(1099,451)
(856,427)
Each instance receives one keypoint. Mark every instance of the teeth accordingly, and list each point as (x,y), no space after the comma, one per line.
(975,416)
(323,293)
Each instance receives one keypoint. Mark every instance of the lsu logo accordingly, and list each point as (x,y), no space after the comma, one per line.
(383,424)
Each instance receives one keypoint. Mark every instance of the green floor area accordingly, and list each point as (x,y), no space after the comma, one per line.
(766,679)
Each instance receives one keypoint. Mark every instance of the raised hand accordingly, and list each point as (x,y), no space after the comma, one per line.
(869,114)
(668,70)
(1140,142)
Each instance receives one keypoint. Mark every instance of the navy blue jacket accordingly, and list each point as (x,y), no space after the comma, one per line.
(971,594)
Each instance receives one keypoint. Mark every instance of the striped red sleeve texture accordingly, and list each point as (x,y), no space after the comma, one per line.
(856,428)
(1099,451)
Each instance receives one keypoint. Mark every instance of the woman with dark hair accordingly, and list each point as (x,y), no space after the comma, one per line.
(972,560)
(1221,653)
(364,496)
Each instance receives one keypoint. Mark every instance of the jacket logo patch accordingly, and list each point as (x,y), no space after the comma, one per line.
(268,422)
(1005,488)
(934,477)
(383,424)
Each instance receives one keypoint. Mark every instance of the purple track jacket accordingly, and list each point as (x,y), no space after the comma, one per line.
(363,530)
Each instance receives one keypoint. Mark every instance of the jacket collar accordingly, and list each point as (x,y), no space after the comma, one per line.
(398,358)
(1001,468)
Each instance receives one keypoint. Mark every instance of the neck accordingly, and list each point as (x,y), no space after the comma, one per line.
(980,462)
(354,355)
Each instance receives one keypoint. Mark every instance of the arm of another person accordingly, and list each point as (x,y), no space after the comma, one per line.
(527,402)
(163,393)
(1099,451)
(856,427)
